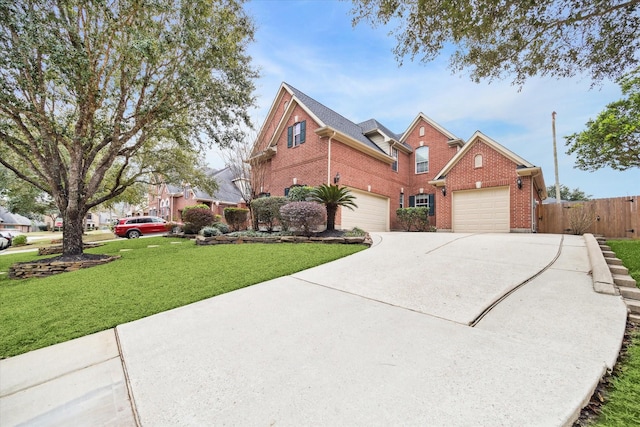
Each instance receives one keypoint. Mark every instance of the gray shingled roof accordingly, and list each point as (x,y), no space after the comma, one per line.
(7,218)
(227,190)
(337,121)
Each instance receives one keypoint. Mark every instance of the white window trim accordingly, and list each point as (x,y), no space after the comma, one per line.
(426,161)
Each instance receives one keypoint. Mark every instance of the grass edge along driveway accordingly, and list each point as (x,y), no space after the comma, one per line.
(153,275)
(622,405)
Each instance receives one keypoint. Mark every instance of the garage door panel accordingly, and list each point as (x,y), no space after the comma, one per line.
(481,211)
(372,213)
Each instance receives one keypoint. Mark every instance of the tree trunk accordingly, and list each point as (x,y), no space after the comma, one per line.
(331,217)
(72,231)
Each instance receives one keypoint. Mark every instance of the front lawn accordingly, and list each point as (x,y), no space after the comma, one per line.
(622,405)
(35,313)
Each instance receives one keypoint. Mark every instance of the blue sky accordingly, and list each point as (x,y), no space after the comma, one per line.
(312,46)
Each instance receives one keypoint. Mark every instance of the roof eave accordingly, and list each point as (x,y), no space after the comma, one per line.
(329,132)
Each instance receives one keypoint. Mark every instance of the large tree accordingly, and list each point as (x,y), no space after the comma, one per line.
(97,95)
(613,138)
(520,38)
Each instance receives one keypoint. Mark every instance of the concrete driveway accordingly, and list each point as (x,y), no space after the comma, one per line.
(415,330)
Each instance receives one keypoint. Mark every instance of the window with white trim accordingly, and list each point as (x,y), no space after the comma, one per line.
(401,200)
(422,159)
(394,154)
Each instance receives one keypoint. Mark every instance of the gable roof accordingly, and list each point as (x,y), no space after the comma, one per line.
(331,119)
(523,167)
(432,123)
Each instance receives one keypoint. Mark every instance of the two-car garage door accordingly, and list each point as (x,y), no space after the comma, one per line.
(372,213)
(481,211)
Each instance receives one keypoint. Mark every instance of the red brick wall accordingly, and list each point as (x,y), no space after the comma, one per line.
(308,164)
(496,171)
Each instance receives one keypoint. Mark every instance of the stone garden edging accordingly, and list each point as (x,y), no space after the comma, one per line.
(221,240)
(44,269)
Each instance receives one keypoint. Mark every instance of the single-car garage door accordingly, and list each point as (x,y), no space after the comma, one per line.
(372,213)
(481,211)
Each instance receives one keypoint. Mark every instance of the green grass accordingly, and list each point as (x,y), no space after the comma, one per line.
(622,407)
(629,252)
(35,313)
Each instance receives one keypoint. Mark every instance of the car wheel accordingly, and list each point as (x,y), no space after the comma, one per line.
(133,234)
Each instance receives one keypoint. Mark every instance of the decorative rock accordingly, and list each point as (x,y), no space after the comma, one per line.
(52,250)
(44,269)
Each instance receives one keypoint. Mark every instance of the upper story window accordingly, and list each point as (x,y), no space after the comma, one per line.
(477,161)
(422,159)
(296,134)
(394,154)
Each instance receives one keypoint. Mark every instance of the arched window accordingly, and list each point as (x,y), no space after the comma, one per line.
(477,161)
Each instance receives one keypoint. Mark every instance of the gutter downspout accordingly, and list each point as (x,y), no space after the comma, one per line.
(329,159)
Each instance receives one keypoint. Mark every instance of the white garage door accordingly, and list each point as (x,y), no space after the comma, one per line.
(372,213)
(481,211)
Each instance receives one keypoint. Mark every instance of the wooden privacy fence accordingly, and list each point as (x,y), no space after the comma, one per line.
(615,217)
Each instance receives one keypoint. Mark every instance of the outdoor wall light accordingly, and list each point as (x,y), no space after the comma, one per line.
(519,183)
(444,191)
(336,179)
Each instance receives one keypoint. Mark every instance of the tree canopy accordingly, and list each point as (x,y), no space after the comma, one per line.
(568,194)
(98,95)
(521,38)
(613,138)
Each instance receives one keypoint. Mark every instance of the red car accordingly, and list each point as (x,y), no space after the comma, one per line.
(136,226)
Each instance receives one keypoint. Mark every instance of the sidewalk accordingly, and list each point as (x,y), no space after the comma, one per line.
(381,337)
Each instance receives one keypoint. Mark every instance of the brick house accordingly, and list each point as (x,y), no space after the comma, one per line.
(167,200)
(473,186)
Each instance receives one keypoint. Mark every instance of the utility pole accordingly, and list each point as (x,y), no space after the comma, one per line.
(555,155)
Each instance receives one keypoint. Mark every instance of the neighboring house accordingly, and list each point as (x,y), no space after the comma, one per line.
(14,222)
(471,186)
(168,200)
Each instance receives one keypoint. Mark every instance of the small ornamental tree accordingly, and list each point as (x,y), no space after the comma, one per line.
(300,193)
(236,217)
(333,196)
(197,218)
(305,216)
(267,210)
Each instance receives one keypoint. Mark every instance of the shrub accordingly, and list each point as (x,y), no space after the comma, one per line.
(236,217)
(300,193)
(197,218)
(355,232)
(303,216)
(267,210)
(414,217)
(580,219)
(200,206)
(172,227)
(210,231)
(222,227)
(19,240)
(43,227)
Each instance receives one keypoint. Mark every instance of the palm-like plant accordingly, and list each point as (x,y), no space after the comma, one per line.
(333,196)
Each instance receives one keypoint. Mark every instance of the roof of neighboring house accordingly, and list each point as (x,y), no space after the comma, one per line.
(330,118)
(227,190)
(7,217)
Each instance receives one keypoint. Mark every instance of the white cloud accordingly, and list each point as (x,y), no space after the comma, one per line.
(312,46)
